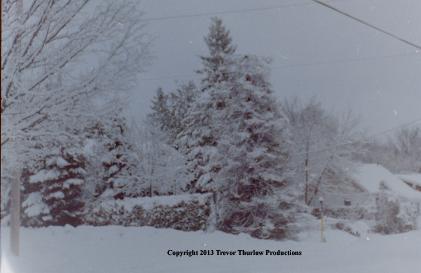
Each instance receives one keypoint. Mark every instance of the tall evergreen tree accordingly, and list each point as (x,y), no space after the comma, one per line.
(201,132)
(253,152)
(234,136)
(221,50)
(199,140)
(180,103)
(170,110)
(160,110)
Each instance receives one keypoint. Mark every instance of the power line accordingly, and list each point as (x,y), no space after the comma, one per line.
(402,126)
(283,6)
(333,62)
(231,11)
(418,47)
(362,59)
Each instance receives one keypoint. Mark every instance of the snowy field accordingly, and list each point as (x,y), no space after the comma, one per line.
(134,250)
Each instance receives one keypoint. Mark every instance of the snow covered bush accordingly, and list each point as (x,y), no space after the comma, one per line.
(182,212)
(347,228)
(395,215)
(100,162)
(261,219)
(353,213)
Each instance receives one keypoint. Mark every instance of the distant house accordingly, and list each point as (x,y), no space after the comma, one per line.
(360,192)
(366,181)
(373,194)
(375,178)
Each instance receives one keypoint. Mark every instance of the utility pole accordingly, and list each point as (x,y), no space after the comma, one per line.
(306,169)
(322,224)
(15,214)
(15,204)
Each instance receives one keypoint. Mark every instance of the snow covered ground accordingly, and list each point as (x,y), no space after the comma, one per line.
(133,250)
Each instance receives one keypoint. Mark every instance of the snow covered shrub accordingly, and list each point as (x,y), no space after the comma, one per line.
(187,216)
(353,213)
(347,228)
(395,215)
(182,212)
(53,193)
(260,219)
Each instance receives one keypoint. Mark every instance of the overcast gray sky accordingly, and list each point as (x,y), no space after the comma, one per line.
(315,52)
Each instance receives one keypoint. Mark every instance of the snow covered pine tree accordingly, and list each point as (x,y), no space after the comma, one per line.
(235,139)
(54,193)
(201,131)
(216,66)
(170,110)
(253,149)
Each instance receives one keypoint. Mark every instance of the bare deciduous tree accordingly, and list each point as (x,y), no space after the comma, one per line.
(322,142)
(57,57)
(57,54)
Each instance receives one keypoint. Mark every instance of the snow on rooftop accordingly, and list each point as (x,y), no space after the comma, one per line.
(411,178)
(372,176)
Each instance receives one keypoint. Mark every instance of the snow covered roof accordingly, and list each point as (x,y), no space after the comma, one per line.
(371,177)
(411,178)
